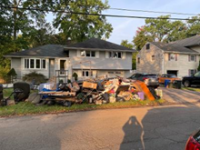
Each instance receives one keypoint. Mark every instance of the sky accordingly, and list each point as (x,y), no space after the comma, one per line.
(125,28)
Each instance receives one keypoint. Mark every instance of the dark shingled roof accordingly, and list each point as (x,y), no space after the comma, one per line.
(51,50)
(192,41)
(173,47)
(95,43)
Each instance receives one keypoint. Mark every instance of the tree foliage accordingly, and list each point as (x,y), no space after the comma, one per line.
(76,25)
(164,30)
(125,43)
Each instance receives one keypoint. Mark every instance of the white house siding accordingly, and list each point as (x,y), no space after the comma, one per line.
(147,65)
(24,71)
(101,73)
(16,64)
(182,65)
(101,61)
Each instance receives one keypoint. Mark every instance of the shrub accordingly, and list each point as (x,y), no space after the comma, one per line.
(34,77)
(75,75)
(3,75)
(12,74)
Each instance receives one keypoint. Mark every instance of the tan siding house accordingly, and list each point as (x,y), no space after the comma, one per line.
(180,58)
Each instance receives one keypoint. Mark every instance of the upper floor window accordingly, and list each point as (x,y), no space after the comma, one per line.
(88,53)
(153,57)
(172,57)
(138,60)
(87,73)
(147,46)
(192,57)
(34,63)
(115,55)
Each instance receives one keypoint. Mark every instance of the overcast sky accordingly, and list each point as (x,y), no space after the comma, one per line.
(125,28)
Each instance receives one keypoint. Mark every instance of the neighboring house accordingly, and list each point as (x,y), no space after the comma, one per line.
(180,57)
(93,57)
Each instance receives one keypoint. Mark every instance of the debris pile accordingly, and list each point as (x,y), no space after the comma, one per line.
(98,91)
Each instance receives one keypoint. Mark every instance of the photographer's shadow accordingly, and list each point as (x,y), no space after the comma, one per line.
(133,138)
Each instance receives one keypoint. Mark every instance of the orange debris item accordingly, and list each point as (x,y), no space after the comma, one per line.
(141,86)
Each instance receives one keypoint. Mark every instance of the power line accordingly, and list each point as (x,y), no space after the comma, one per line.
(149,11)
(89,14)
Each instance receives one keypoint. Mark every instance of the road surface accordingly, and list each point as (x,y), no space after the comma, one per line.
(149,128)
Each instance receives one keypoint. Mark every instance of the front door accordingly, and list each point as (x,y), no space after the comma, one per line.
(51,68)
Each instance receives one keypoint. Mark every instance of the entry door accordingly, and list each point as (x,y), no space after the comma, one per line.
(51,68)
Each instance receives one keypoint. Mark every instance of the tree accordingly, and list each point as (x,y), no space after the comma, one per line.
(193,26)
(159,30)
(126,44)
(41,33)
(77,25)
(141,38)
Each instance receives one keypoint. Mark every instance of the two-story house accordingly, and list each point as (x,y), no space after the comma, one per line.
(180,58)
(91,58)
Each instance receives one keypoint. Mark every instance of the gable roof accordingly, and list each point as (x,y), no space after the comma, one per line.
(97,44)
(173,47)
(49,50)
(188,42)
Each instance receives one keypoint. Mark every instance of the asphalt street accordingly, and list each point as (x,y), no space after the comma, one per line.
(149,128)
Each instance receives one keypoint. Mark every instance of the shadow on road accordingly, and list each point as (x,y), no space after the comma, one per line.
(133,133)
(163,128)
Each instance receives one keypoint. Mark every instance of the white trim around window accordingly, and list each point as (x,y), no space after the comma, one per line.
(34,63)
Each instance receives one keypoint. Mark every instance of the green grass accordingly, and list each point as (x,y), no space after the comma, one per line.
(191,89)
(27,108)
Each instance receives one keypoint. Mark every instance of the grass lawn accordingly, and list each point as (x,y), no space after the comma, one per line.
(191,89)
(27,108)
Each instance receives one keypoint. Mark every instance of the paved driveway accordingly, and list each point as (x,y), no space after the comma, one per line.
(180,96)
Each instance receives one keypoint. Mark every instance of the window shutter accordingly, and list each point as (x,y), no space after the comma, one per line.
(124,55)
(78,53)
(188,57)
(97,54)
(169,57)
(195,58)
(107,54)
(176,57)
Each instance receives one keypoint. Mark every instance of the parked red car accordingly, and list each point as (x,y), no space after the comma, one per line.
(193,142)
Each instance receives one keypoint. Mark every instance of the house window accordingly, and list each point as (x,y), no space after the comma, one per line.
(172,57)
(43,64)
(153,57)
(88,53)
(147,46)
(38,63)
(138,60)
(115,55)
(192,57)
(192,72)
(26,63)
(86,73)
(34,63)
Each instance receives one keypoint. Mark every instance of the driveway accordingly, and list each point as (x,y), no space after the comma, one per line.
(172,95)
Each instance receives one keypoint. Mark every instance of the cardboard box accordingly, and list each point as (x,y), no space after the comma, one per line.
(89,85)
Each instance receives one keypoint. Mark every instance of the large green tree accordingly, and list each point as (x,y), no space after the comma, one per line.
(159,30)
(77,25)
